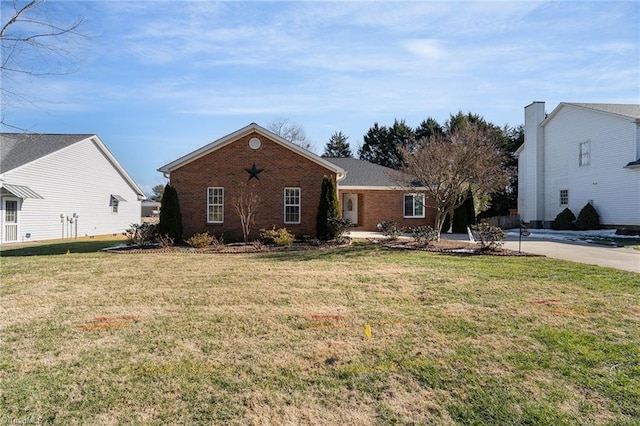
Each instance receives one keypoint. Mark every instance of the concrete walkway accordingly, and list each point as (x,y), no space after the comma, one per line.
(623,258)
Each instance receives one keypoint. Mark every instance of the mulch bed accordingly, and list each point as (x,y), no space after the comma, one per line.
(451,247)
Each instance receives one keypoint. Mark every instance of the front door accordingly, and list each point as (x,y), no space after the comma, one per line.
(350,207)
(10,221)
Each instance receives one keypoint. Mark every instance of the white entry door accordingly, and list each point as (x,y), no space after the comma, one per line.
(350,207)
(10,221)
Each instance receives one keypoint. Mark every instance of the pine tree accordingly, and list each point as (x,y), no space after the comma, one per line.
(337,147)
(170,216)
(327,208)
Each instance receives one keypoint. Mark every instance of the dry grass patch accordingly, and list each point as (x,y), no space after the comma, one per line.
(278,338)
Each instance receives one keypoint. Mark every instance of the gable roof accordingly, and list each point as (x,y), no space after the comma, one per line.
(628,111)
(363,174)
(19,149)
(232,137)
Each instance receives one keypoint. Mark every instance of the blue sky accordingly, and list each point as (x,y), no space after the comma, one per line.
(158,79)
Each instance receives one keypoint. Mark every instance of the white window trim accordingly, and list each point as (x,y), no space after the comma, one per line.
(213,204)
(114,205)
(299,205)
(588,153)
(560,197)
(414,195)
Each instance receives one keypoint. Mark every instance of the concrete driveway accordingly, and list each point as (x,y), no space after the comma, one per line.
(624,258)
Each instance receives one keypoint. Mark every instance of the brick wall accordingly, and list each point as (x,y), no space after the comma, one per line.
(225,168)
(375,206)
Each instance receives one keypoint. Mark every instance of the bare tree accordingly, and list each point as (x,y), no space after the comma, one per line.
(290,131)
(33,43)
(246,204)
(450,166)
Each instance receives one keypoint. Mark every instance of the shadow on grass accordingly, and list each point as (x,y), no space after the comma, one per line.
(356,249)
(58,248)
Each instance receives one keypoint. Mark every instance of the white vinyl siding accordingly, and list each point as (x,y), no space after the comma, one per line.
(614,188)
(414,205)
(77,179)
(292,205)
(215,205)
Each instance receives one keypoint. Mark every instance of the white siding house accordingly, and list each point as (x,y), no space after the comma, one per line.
(578,154)
(62,186)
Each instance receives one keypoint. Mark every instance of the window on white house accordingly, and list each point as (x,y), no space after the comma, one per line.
(215,205)
(585,154)
(114,203)
(413,205)
(292,205)
(564,197)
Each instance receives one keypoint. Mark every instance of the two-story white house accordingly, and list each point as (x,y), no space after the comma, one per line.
(62,186)
(580,153)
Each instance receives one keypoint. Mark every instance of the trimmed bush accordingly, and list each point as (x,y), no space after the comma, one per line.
(588,218)
(390,229)
(565,220)
(489,237)
(170,216)
(339,228)
(201,240)
(279,237)
(422,234)
(142,234)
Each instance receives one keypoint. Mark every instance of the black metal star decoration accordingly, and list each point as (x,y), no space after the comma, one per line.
(254,172)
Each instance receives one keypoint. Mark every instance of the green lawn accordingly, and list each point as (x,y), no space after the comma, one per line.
(278,338)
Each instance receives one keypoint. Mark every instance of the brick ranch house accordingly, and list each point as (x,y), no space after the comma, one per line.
(288,181)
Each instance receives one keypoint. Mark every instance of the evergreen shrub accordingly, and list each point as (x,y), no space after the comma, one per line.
(588,218)
(565,220)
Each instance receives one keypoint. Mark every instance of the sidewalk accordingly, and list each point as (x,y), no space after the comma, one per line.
(624,258)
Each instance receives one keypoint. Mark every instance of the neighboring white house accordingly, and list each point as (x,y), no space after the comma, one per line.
(62,186)
(580,153)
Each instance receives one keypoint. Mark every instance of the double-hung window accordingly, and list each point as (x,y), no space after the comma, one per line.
(215,205)
(292,205)
(564,197)
(585,154)
(414,205)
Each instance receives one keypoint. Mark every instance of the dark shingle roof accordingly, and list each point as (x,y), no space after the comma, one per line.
(17,149)
(363,173)
(625,110)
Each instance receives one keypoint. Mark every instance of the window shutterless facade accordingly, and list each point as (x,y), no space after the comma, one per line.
(585,154)
(215,205)
(292,205)
(564,197)
(414,205)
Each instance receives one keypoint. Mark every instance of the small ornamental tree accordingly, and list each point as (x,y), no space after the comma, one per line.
(327,208)
(588,218)
(170,216)
(565,220)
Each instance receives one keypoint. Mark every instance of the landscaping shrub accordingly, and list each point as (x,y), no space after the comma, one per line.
(489,237)
(588,218)
(170,216)
(279,237)
(422,234)
(201,240)
(142,234)
(565,220)
(339,228)
(327,209)
(390,229)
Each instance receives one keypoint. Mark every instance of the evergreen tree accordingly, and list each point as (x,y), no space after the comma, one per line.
(382,144)
(337,147)
(428,128)
(170,216)
(327,208)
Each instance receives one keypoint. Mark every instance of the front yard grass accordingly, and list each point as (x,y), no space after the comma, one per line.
(278,338)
